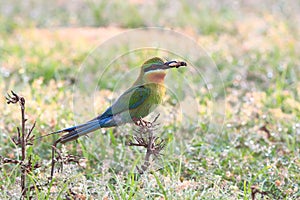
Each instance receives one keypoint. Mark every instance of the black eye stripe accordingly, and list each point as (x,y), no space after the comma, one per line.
(154,67)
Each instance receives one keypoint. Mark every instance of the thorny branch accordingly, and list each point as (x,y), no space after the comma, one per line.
(9,160)
(146,138)
(28,139)
(62,159)
(12,99)
(23,139)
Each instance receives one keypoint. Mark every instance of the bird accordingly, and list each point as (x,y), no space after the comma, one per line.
(146,93)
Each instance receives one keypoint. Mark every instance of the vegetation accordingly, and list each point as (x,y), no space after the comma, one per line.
(251,150)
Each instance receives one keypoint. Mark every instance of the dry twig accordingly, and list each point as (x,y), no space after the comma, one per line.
(145,137)
(22,140)
(61,158)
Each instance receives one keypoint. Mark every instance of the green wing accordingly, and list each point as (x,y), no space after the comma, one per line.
(131,99)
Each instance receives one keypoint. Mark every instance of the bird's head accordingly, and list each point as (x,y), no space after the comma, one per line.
(154,70)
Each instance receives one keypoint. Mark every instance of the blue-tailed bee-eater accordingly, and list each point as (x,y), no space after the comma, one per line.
(135,103)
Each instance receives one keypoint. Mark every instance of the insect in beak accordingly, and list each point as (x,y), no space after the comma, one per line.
(177,64)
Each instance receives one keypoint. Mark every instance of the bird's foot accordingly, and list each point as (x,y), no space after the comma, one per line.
(142,123)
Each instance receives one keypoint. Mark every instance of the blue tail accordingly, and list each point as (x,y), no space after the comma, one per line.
(83,129)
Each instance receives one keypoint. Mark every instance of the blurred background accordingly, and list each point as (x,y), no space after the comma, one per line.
(255,47)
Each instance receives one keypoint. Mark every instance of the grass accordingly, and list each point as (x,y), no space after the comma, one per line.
(255,50)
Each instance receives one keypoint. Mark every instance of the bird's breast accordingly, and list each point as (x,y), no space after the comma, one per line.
(155,77)
(157,92)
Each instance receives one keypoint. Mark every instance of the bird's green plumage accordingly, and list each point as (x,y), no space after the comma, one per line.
(151,61)
(139,100)
(129,100)
(154,98)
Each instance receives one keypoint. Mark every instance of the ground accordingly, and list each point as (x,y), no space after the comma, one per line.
(250,148)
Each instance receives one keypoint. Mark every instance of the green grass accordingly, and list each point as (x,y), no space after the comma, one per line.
(256,55)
